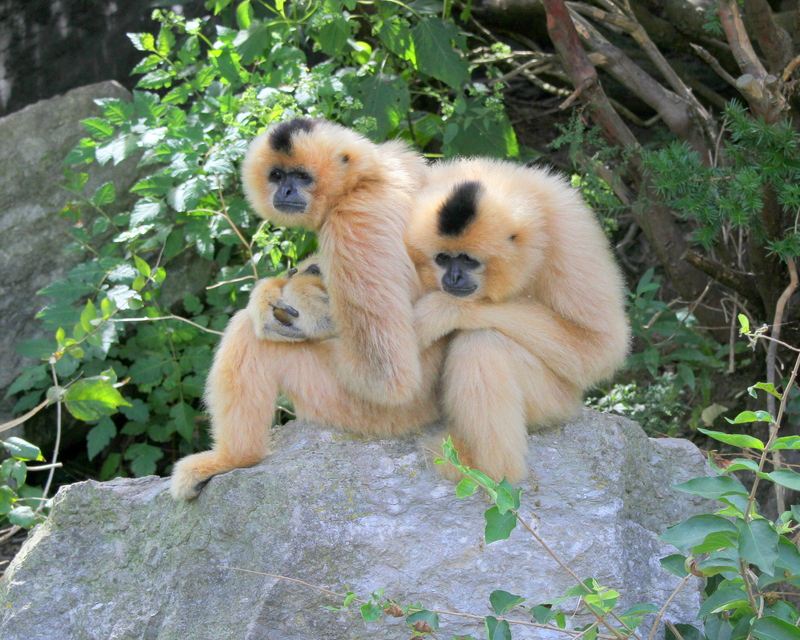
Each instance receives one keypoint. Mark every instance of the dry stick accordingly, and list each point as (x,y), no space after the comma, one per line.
(171,317)
(219,284)
(674,630)
(600,618)
(791,66)
(471,616)
(715,64)
(663,609)
(772,352)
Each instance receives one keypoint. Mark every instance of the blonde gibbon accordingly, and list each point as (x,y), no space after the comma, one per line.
(361,368)
(518,270)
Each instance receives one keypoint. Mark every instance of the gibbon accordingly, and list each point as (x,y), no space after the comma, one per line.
(367,374)
(519,271)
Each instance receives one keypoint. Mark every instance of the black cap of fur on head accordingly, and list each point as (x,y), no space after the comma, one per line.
(281,137)
(459,209)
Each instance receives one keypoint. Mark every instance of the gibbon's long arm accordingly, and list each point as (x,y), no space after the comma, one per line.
(371,285)
(572,352)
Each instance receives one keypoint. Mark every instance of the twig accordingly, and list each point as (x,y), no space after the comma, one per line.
(171,317)
(663,609)
(600,618)
(776,329)
(219,284)
(57,444)
(715,64)
(673,629)
(524,623)
(16,421)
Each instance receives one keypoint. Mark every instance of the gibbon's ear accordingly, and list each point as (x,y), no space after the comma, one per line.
(298,170)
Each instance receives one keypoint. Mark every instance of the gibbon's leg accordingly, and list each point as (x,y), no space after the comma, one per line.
(241,394)
(494,389)
(484,406)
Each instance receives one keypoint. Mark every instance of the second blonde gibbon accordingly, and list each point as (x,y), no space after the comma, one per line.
(367,374)
(518,270)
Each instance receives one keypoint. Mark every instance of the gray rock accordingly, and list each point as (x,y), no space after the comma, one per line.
(35,142)
(121,560)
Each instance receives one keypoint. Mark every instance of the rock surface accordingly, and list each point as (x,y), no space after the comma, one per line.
(121,560)
(35,142)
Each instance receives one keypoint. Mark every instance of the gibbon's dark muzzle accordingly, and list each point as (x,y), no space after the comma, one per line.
(287,206)
(459,292)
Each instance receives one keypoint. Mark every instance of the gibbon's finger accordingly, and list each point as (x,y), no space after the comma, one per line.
(291,272)
(282,311)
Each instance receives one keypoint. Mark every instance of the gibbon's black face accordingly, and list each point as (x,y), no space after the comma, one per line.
(459,273)
(290,188)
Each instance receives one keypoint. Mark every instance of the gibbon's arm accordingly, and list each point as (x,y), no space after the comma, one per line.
(572,352)
(371,282)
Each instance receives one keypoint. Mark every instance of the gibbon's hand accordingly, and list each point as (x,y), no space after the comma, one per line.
(437,314)
(293,309)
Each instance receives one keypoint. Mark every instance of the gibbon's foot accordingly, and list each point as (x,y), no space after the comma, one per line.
(292,309)
(192,473)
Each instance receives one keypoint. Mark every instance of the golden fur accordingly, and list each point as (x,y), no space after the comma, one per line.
(546,322)
(370,378)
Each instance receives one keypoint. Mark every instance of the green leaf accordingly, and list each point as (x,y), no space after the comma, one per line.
(7,499)
(466,488)
(764,386)
(244,14)
(105,194)
(499,526)
(143,41)
(429,617)
(384,98)
(676,564)
(92,398)
(736,439)
(23,517)
(256,42)
(183,420)
(722,600)
(503,601)
(88,314)
(333,35)
(715,541)
(435,53)
(787,442)
(758,544)
(693,531)
(22,449)
(396,37)
(712,487)
(100,436)
(772,628)
(744,322)
(29,378)
(98,128)
(143,458)
(496,629)
(371,611)
(751,416)
(786,478)
(141,266)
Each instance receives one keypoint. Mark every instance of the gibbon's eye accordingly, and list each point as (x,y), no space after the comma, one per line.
(469,261)
(442,259)
(301,176)
(275,175)
(512,237)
